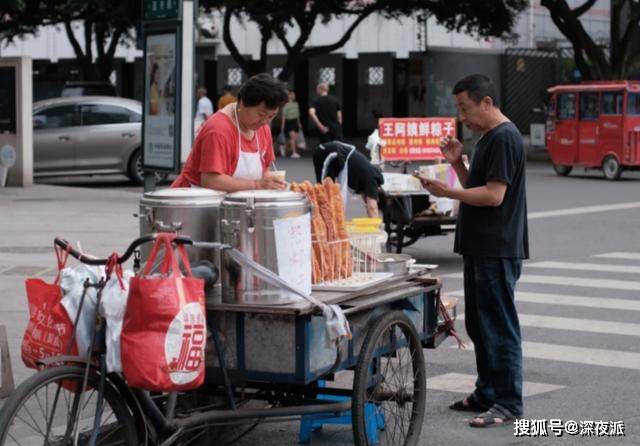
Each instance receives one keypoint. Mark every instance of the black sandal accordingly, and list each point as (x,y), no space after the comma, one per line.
(468,404)
(496,416)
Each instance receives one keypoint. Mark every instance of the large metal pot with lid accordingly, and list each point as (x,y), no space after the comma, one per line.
(194,212)
(247,224)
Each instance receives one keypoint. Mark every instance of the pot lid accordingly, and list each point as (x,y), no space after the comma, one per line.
(183,193)
(264,196)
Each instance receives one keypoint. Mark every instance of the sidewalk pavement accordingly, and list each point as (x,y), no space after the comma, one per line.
(101,220)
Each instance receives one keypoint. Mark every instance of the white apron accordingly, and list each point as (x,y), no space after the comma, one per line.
(249,163)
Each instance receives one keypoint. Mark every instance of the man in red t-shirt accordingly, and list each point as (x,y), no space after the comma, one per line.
(234,148)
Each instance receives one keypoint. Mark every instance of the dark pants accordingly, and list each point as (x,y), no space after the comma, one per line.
(492,324)
(334,133)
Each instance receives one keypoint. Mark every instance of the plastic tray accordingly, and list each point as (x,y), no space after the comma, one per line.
(357,282)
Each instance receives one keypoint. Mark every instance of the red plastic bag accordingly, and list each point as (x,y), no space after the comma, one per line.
(164,328)
(49,331)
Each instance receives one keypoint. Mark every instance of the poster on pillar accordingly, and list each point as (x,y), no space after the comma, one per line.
(414,138)
(161,103)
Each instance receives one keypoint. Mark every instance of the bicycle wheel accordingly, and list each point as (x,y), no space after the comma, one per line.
(389,386)
(48,409)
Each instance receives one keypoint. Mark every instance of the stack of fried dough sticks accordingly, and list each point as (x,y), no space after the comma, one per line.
(331,254)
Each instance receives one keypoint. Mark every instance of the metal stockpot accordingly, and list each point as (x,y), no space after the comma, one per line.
(194,212)
(247,225)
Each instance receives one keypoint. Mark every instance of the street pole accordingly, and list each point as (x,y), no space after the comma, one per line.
(188,64)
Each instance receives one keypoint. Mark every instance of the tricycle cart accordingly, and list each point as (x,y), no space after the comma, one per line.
(276,356)
(406,219)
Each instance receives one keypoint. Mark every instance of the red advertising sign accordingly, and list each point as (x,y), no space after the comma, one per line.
(414,138)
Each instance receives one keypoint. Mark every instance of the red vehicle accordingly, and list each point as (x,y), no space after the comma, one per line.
(595,125)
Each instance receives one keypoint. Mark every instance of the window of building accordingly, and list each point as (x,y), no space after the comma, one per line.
(234,77)
(567,106)
(327,75)
(375,76)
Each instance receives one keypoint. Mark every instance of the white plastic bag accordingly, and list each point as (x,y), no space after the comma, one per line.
(302,141)
(71,282)
(112,306)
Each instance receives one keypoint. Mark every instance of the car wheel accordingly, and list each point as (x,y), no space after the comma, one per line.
(611,168)
(563,171)
(137,174)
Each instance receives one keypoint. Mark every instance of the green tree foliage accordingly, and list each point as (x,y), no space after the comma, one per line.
(274,18)
(621,58)
(106,23)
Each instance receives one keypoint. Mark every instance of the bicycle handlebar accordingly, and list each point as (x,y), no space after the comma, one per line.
(181,239)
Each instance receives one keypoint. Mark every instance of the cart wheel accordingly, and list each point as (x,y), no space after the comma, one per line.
(392,243)
(389,387)
(563,171)
(48,409)
(611,168)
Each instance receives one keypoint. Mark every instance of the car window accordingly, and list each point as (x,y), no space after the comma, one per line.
(633,104)
(589,106)
(54,117)
(567,106)
(100,114)
(135,117)
(611,103)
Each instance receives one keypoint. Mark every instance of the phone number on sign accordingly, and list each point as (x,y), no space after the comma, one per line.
(585,428)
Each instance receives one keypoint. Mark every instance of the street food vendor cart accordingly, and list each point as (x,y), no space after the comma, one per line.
(268,343)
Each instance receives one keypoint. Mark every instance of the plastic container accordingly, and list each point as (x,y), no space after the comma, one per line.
(364,225)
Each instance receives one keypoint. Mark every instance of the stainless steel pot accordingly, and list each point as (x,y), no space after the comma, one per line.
(247,224)
(194,212)
(393,263)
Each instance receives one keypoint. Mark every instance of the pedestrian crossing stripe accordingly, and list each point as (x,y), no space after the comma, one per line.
(578,355)
(573,324)
(584,210)
(624,269)
(464,383)
(570,300)
(583,282)
(619,255)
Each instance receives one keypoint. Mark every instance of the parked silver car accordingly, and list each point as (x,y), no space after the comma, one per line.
(87,135)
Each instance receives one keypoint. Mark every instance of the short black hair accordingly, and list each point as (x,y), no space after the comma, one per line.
(477,87)
(227,88)
(263,88)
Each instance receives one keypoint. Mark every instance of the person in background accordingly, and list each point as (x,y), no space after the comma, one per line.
(345,165)
(291,124)
(492,237)
(205,106)
(204,109)
(226,98)
(326,114)
(233,150)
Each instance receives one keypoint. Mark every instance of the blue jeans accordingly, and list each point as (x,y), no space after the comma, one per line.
(492,324)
